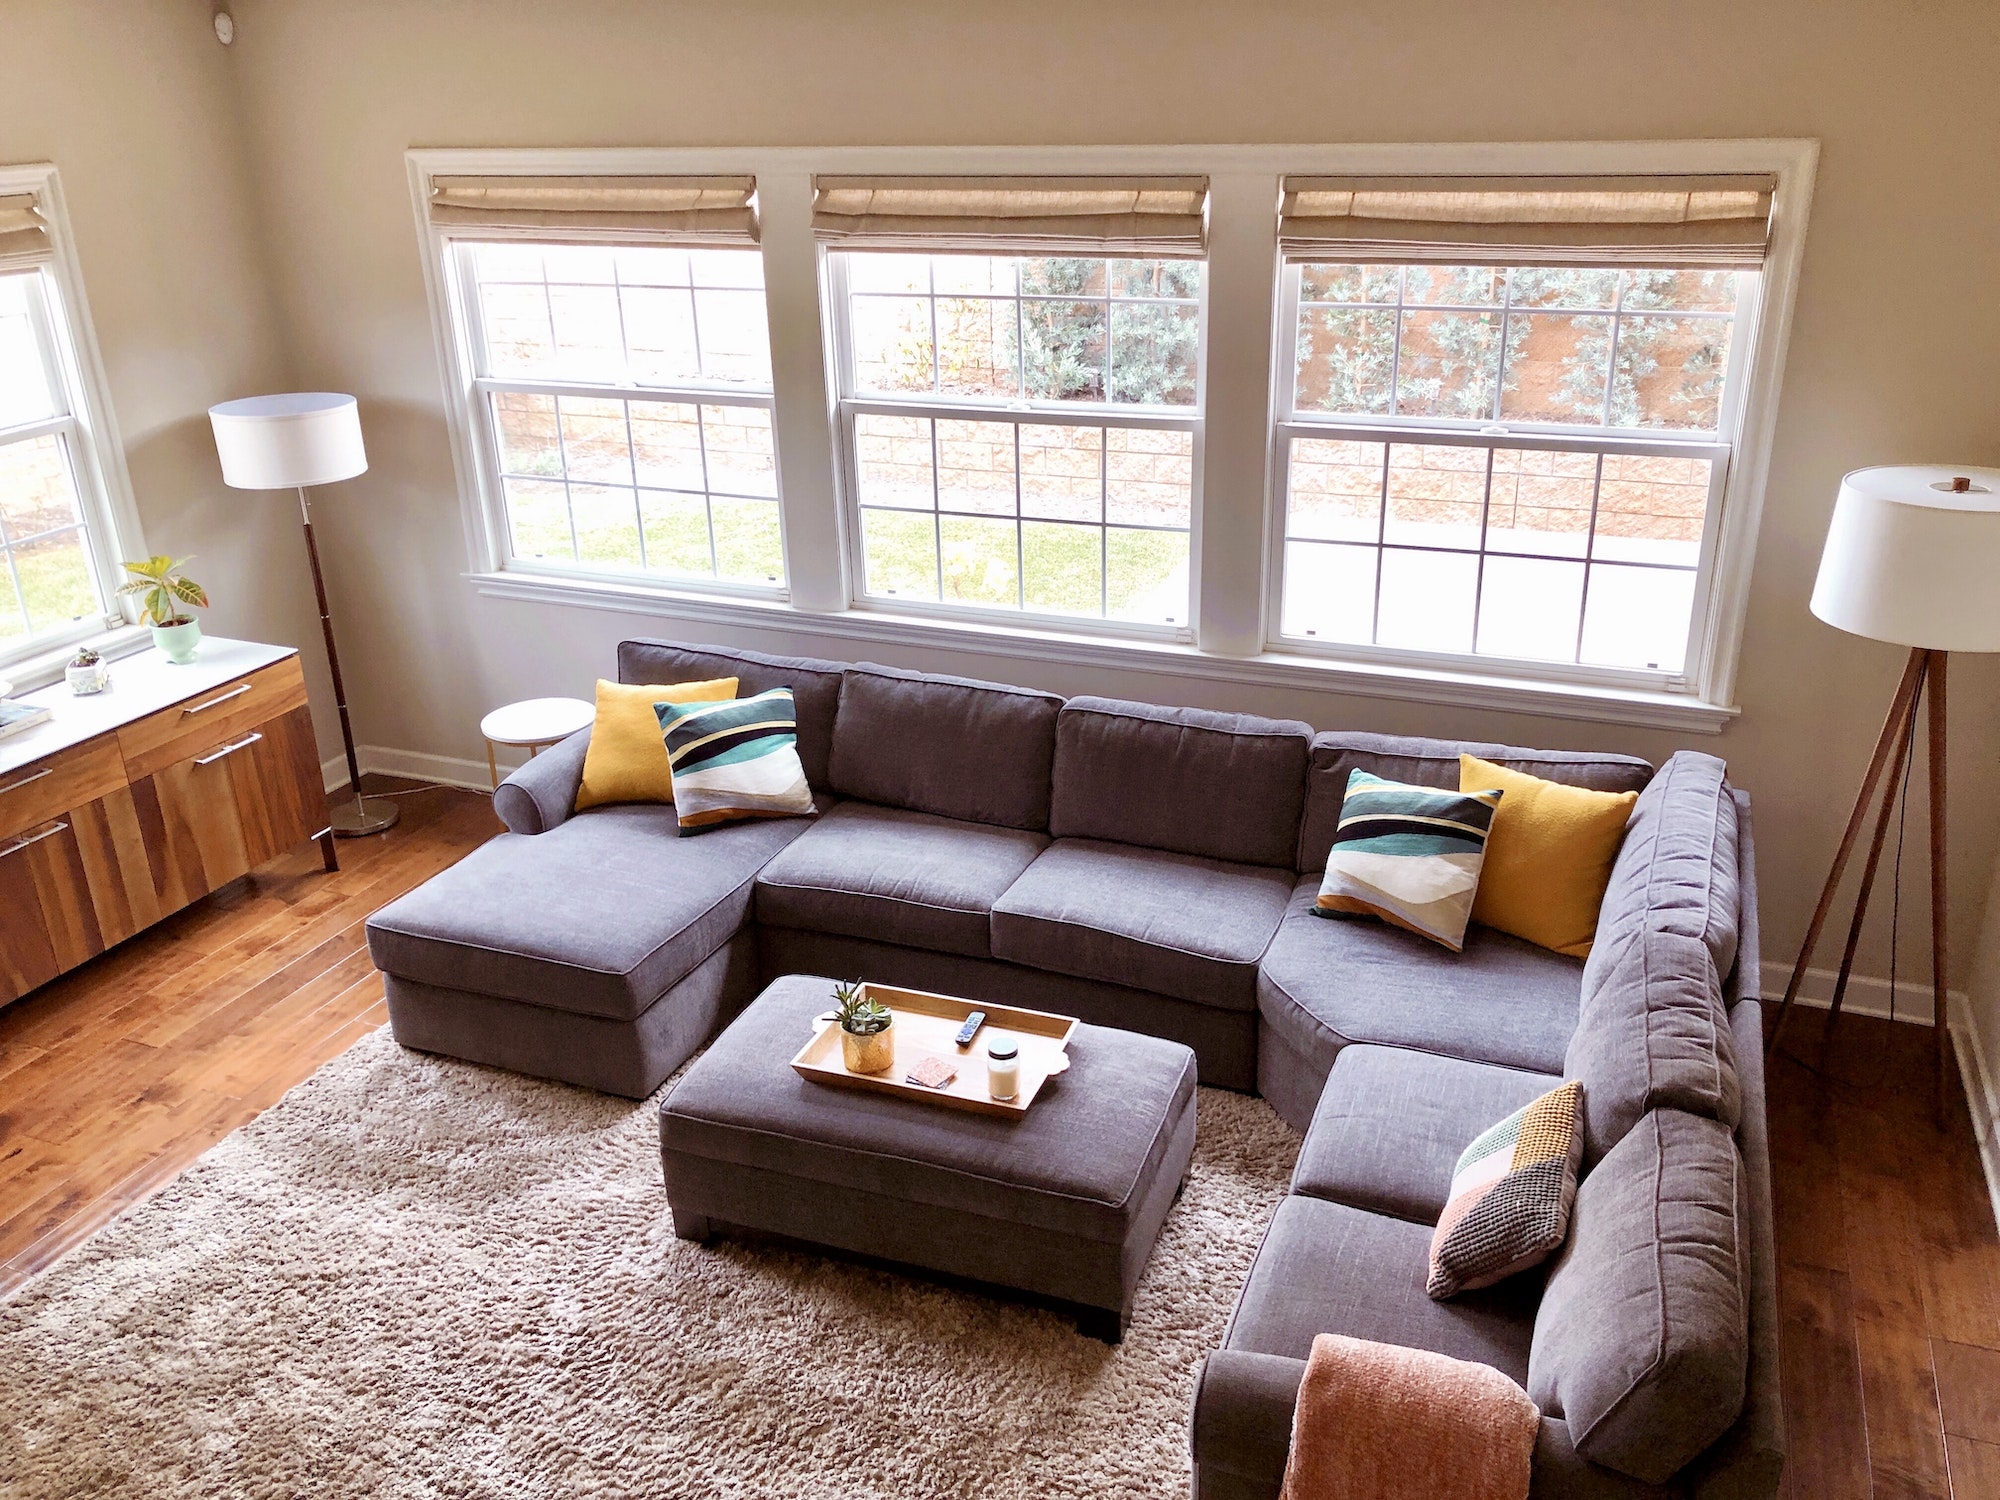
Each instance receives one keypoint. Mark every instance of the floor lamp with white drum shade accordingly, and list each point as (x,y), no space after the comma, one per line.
(294,441)
(1912,557)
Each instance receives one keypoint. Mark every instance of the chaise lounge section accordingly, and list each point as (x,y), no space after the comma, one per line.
(1154,869)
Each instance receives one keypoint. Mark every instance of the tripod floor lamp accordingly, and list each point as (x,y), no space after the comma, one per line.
(1912,557)
(293,442)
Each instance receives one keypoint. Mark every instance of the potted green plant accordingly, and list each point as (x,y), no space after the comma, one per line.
(867,1042)
(162,589)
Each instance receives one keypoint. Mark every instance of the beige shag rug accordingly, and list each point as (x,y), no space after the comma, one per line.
(416,1277)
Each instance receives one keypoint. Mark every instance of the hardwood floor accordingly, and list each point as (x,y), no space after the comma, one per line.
(118,1075)
(1888,1273)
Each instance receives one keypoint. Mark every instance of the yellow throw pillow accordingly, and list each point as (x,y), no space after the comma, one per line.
(1548,857)
(627,757)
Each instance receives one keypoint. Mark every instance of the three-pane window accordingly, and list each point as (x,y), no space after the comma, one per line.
(1514,463)
(51,578)
(626,391)
(1022,431)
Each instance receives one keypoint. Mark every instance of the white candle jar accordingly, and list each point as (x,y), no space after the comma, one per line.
(1003,1067)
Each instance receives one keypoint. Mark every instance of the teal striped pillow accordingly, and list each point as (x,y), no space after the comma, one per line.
(735,759)
(1407,854)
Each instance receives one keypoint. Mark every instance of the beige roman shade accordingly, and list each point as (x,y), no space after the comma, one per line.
(1707,223)
(694,211)
(1151,217)
(24,234)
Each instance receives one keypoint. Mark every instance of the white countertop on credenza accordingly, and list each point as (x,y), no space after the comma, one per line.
(142,683)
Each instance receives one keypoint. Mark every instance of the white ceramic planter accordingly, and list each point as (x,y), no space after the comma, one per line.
(178,642)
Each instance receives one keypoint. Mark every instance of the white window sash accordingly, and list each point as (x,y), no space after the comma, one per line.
(1718,447)
(851,402)
(469,332)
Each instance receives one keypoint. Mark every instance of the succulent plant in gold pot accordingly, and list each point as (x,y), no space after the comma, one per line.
(867,1029)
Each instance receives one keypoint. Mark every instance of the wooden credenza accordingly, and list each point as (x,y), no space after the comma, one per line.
(138,806)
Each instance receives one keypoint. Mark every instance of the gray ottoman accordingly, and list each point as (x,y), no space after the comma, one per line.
(1063,1203)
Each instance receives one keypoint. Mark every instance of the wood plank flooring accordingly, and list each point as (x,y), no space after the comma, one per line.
(1888,1272)
(118,1075)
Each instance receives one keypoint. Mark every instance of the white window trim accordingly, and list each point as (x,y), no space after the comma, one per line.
(1234,464)
(104,485)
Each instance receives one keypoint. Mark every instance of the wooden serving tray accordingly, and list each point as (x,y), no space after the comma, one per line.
(925,1026)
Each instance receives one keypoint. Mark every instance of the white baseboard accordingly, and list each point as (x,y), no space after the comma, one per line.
(444,770)
(1866,996)
(1981,1097)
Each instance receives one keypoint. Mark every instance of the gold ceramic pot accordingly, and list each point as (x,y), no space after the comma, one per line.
(874,1053)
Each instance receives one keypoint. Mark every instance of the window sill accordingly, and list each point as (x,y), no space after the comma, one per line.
(46,667)
(1635,707)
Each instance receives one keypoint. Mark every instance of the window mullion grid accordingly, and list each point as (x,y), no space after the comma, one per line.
(937,496)
(1611,357)
(1020,544)
(1396,357)
(1589,556)
(1381,545)
(707,487)
(1485,525)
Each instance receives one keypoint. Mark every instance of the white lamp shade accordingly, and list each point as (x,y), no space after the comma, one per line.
(1910,560)
(283,442)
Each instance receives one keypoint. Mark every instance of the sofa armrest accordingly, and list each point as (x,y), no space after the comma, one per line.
(1746,980)
(1242,1420)
(542,793)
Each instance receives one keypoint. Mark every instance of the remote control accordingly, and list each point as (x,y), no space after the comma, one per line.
(970,1029)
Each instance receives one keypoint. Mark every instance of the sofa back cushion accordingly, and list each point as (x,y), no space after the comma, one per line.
(1422,762)
(1653,1022)
(815,685)
(979,751)
(1642,1341)
(1218,786)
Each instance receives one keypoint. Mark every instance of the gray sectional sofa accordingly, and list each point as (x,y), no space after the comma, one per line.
(1154,869)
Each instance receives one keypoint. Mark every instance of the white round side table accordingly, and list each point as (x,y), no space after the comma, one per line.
(536,723)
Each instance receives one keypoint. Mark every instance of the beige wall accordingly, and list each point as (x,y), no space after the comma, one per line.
(135,104)
(1892,356)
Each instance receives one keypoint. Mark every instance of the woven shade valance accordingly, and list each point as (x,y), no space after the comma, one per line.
(685,210)
(1150,217)
(1708,223)
(23,233)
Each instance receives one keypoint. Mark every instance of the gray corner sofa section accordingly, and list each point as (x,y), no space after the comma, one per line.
(1153,869)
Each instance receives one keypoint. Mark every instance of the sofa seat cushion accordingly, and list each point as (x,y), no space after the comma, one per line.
(1175,924)
(601,915)
(1327,984)
(1392,1122)
(896,876)
(1329,1268)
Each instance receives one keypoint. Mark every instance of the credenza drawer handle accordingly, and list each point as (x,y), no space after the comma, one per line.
(34,838)
(235,692)
(15,786)
(247,740)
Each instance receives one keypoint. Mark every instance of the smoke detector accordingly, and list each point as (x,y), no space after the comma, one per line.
(225,27)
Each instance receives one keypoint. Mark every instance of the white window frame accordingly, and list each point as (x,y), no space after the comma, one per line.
(1230,552)
(89,432)
(480,385)
(851,401)
(1493,434)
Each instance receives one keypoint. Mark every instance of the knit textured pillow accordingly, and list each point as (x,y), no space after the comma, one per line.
(1409,855)
(1511,1195)
(735,760)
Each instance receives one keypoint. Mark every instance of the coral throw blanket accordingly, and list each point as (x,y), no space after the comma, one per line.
(1376,1422)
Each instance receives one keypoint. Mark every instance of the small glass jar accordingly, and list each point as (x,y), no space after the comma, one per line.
(1003,1067)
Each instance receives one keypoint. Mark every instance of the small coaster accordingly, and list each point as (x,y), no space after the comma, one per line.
(932,1073)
